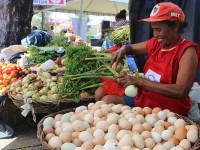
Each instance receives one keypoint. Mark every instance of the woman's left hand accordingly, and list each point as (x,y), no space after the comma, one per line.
(126,80)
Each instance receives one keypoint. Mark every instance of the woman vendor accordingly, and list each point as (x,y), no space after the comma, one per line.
(170,69)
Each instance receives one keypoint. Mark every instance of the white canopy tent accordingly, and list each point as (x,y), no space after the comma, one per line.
(90,7)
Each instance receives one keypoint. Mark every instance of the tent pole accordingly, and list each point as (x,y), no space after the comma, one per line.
(80,18)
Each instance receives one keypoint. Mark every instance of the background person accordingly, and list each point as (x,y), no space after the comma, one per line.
(51,31)
(172,62)
(120,19)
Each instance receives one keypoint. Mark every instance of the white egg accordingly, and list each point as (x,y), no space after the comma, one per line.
(192,135)
(98,132)
(111,146)
(179,123)
(162,115)
(185,143)
(85,136)
(48,121)
(68,146)
(55,142)
(166,135)
(171,119)
(156,137)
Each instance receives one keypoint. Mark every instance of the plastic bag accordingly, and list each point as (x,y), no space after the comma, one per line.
(49,64)
(37,38)
(112,87)
(194,113)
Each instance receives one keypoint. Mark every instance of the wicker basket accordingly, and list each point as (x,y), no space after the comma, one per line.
(48,107)
(41,134)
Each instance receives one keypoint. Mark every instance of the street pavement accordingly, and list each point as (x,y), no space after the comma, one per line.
(25,138)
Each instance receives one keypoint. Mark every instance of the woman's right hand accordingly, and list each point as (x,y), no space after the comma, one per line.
(118,55)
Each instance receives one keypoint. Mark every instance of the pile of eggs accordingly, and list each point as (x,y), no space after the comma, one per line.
(103,126)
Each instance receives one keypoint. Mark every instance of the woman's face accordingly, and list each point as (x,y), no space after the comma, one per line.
(166,35)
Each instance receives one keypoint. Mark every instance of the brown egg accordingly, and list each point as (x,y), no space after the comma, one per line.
(147,126)
(49,136)
(156,110)
(77,142)
(99,140)
(58,117)
(65,137)
(159,129)
(104,118)
(75,135)
(147,110)
(48,129)
(181,133)
(58,130)
(88,145)
(136,112)
(166,125)
(174,140)
(138,128)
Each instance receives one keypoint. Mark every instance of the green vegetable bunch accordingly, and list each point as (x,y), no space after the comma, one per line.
(58,41)
(83,71)
(121,35)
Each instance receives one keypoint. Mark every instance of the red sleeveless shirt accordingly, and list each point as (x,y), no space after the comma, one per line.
(162,66)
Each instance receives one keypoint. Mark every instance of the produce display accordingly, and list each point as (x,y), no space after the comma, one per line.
(84,69)
(121,35)
(101,126)
(10,73)
(38,55)
(40,86)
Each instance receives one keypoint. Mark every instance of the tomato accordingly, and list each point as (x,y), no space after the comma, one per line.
(13,73)
(13,68)
(13,80)
(20,78)
(7,71)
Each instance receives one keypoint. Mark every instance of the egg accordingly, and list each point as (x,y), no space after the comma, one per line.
(156,110)
(99,140)
(185,143)
(174,140)
(66,117)
(156,137)
(126,140)
(140,118)
(90,105)
(117,108)
(113,128)
(78,125)
(166,125)
(121,133)
(98,113)
(149,143)
(124,124)
(150,119)
(58,131)
(85,136)
(180,133)
(159,147)
(146,134)
(111,146)
(147,110)
(177,148)
(172,120)
(133,121)
(79,148)
(75,135)
(77,142)
(147,126)
(126,148)
(88,145)
(65,137)
(98,132)
(110,135)
(102,125)
(57,124)
(162,115)
(49,136)
(159,129)
(48,129)
(192,135)
(138,141)
(75,117)
(58,117)
(48,121)
(68,146)
(166,135)
(55,142)
(179,123)
(88,118)
(138,128)
(168,144)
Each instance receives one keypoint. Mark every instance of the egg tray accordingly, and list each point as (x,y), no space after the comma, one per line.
(48,107)
(41,134)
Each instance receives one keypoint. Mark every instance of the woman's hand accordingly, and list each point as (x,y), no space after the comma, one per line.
(118,55)
(126,80)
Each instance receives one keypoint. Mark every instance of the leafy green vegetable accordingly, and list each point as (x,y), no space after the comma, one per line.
(121,35)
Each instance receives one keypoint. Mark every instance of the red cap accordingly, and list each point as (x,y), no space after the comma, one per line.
(165,11)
